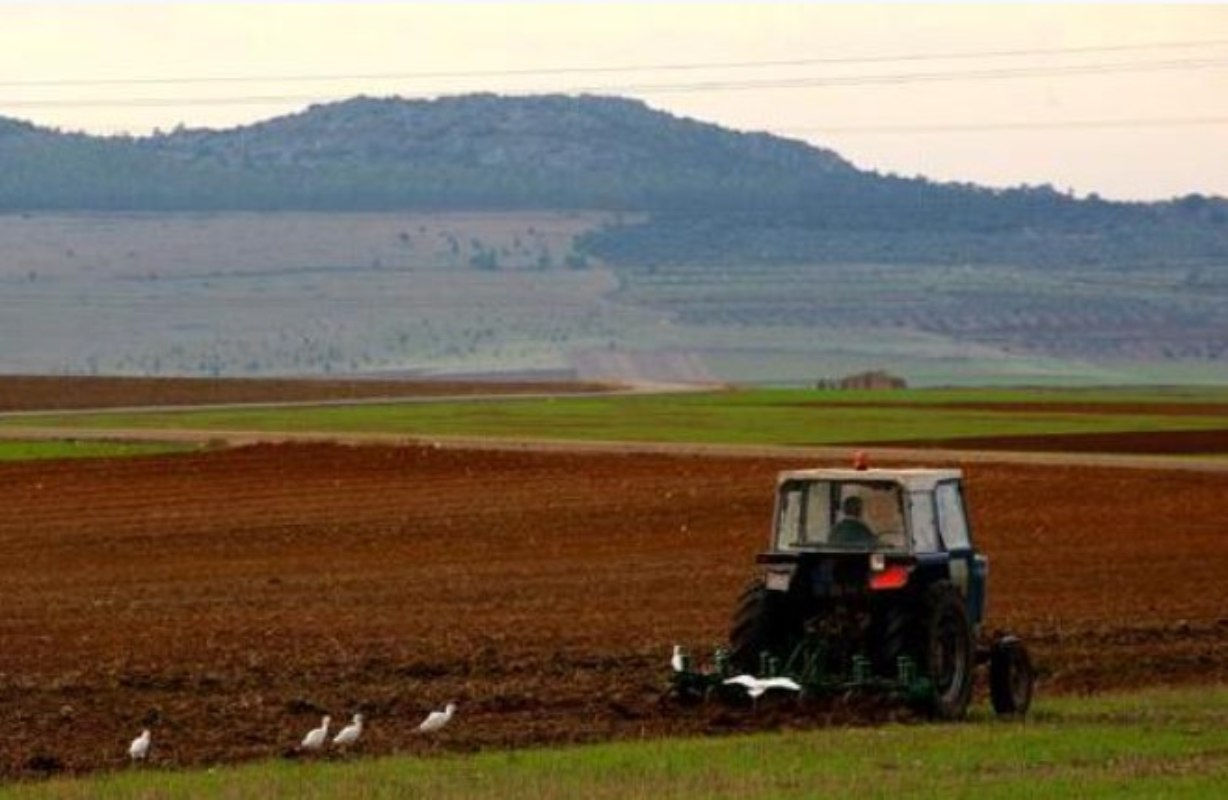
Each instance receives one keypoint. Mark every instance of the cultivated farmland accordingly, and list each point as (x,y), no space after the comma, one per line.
(228,598)
(299,294)
(317,294)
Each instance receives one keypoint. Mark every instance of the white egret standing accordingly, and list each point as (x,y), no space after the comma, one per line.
(350,733)
(139,749)
(677,660)
(437,719)
(316,737)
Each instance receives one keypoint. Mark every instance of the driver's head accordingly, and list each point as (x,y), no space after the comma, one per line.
(852,507)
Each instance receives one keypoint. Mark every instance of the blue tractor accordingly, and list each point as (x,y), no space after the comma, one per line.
(873,583)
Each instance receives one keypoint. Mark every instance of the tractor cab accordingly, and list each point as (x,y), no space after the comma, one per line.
(867,510)
(879,529)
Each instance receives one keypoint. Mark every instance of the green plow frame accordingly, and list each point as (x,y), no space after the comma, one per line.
(807,665)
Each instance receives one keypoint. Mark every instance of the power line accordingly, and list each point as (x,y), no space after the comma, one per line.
(1152,122)
(691,87)
(921,77)
(158,102)
(589,70)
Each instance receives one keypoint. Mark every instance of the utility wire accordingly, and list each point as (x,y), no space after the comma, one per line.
(699,86)
(919,77)
(590,70)
(1144,122)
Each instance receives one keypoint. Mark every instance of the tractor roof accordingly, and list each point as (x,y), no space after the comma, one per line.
(911,479)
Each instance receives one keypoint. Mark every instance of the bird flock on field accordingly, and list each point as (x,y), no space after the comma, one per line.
(317,739)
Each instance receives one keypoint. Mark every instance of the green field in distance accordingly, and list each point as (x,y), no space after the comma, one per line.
(31,451)
(755,416)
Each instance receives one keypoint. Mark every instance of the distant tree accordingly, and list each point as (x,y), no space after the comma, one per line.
(486,260)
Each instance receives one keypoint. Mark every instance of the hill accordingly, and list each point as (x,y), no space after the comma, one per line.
(713,195)
(476,151)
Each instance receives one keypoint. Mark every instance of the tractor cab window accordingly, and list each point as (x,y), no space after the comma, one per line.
(924,523)
(952,523)
(801,516)
(844,515)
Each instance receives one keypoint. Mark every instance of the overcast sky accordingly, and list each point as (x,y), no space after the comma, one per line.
(1129,101)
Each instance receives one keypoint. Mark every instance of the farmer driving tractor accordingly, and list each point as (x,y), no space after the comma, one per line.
(851,530)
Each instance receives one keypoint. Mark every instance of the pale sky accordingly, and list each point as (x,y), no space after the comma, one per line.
(1129,101)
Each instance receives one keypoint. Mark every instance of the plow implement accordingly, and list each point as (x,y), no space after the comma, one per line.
(805,671)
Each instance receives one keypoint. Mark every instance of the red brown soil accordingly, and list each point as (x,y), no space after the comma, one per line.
(227,599)
(31,393)
(1207,442)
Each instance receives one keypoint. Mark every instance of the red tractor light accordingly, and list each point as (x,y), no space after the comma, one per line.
(889,576)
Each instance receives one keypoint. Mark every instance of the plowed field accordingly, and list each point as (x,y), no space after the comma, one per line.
(45,393)
(226,599)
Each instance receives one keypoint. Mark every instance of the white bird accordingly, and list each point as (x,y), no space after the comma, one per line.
(437,719)
(676,660)
(316,737)
(350,733)
(757,686)
(139,748)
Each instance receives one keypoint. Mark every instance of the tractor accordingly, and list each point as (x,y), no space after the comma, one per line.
(871,583)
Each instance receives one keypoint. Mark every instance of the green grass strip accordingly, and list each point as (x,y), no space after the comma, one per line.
(39,450)
(769,417)
(1159,743)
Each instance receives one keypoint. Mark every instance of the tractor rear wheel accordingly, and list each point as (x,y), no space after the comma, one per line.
(947,654)
(1010,676)
(762,622)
